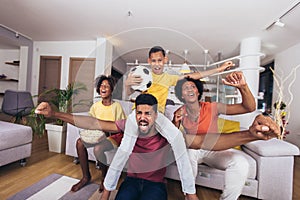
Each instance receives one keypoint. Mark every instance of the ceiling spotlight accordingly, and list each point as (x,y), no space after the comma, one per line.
(279,23)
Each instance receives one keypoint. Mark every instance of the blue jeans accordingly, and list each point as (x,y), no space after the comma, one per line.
(140,189)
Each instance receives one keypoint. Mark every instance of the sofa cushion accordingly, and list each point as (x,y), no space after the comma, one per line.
(13,135)
(272,147)
(228,126)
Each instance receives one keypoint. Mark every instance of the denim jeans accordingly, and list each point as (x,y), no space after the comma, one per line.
(140,189)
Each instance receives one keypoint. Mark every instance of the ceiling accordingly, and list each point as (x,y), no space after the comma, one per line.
(133,26)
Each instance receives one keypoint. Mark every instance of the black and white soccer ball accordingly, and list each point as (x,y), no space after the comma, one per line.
(145,74)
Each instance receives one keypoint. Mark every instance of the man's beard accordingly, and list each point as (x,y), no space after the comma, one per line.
(146,132)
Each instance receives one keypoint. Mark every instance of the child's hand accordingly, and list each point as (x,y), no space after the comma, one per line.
(133,79)
(226,65)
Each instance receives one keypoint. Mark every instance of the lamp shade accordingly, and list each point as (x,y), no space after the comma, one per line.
(185,68)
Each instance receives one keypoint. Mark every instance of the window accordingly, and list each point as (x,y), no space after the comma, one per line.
(266,89)
(117,94)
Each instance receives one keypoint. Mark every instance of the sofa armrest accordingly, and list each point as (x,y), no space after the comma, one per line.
(272,148)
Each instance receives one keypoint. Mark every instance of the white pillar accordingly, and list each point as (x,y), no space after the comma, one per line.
(23,68)
(250,46)
(250,66)
(104,53)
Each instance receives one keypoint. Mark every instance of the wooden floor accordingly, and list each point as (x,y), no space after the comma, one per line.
(42,163)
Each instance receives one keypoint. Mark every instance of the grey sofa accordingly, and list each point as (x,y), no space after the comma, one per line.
(271,165)
(15,143)
(270,173)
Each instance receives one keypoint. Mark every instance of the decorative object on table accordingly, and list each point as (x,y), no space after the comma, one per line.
(145,74)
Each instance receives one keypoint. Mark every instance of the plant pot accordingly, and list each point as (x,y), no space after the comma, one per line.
(56,137)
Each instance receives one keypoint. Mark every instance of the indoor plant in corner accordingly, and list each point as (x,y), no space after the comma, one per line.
(62,100)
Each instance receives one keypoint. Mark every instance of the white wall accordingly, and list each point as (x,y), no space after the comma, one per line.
(285,62)
(66,49)
(120,65)
(9,55)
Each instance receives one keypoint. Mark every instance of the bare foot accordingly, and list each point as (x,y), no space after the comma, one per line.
(101,187)
(84,181)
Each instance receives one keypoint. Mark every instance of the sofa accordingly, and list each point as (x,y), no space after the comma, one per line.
(15,143)
(270,172)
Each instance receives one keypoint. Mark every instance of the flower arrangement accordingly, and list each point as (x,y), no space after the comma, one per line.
(280,114)
(282,80)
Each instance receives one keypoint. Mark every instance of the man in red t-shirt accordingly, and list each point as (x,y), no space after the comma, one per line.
(143,172)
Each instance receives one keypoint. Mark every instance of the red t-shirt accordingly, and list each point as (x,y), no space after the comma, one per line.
(148,158)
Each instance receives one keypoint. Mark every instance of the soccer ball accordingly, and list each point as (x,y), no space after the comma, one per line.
(145,74)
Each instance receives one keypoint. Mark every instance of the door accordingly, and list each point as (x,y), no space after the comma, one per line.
(83,70)
(50,71)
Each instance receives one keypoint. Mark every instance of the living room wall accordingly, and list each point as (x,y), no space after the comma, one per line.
(10,71)
(285,62)
(66,49)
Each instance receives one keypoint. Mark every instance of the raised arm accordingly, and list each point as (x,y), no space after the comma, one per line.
(202,74)
(86,122)
(262,128)
(237,79)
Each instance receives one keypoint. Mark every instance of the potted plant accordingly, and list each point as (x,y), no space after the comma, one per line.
(36,122)
(62,100)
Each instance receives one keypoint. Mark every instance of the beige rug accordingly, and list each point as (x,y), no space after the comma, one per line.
(55,187)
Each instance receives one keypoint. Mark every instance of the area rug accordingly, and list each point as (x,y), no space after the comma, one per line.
(53,187)
(97,195)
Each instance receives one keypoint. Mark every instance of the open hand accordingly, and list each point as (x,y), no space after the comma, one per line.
(235,79)
(133,79)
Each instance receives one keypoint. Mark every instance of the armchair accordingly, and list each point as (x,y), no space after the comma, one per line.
(17,104)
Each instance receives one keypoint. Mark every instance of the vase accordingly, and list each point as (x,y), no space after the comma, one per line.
(56,137)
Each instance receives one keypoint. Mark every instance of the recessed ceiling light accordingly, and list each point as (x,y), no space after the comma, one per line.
(279,23)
